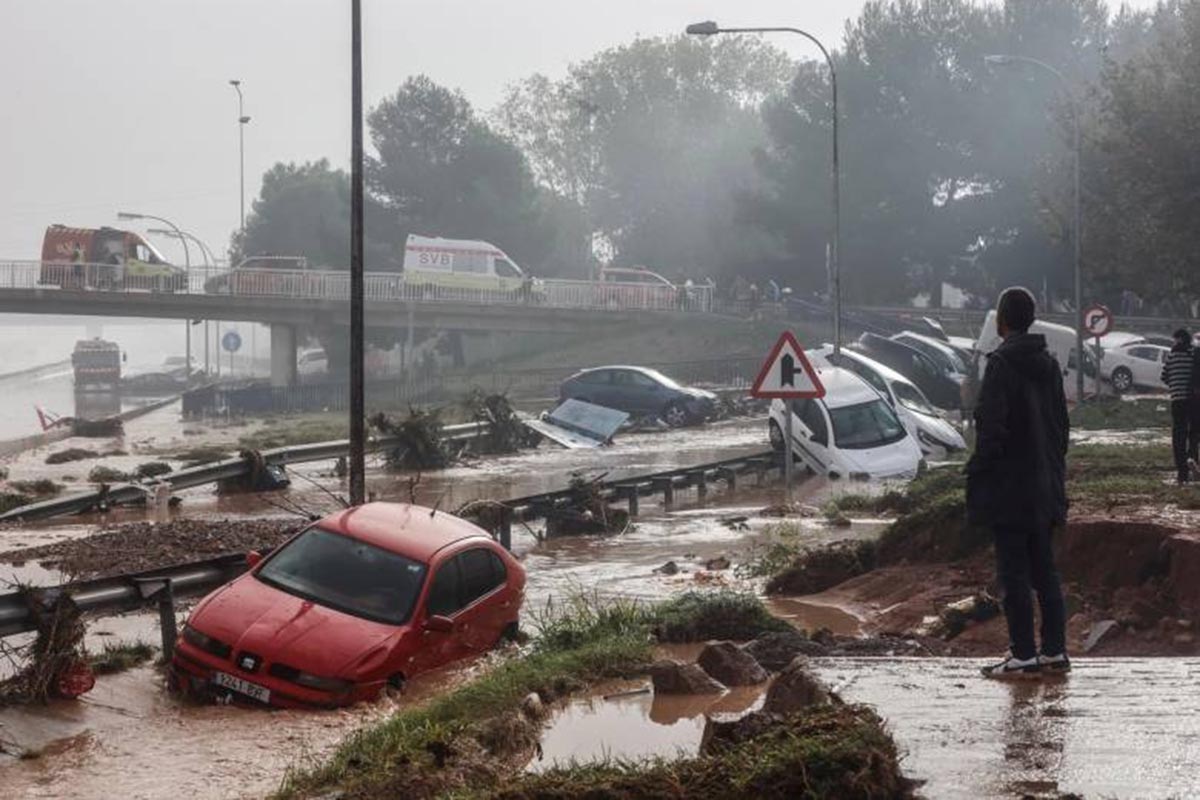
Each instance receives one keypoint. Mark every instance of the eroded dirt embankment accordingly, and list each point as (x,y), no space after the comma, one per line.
(1130,569)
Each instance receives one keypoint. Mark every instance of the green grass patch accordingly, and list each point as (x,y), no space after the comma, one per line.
(43,487)
(120,657)
(103,474)
(839,751)
(698,616)
(1122,415)
(152,469)
(287,431)
(196,456)
(11,500)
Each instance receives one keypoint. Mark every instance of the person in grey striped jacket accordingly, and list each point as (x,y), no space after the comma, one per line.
(1185,432)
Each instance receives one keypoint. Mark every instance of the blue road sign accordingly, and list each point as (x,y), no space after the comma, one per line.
(231,342)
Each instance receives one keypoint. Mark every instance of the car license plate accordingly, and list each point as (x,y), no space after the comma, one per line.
(260,693)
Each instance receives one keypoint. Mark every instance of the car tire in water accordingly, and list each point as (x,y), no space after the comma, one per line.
(775,435)
(676,415)
(511,632)
(1122,380)
(397,682)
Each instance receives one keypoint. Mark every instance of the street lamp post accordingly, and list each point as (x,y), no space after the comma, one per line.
(1076,234)
(242,120)
(835,273)
(358,432)
(187,266)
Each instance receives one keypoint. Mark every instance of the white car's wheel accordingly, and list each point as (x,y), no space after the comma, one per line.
(1122,380)
(775,435)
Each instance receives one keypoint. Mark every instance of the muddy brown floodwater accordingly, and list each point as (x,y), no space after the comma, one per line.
(130,738)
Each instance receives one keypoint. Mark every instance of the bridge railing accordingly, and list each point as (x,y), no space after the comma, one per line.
(335,285)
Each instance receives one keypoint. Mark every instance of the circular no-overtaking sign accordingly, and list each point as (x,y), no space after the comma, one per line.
(1097,320)
(231,342)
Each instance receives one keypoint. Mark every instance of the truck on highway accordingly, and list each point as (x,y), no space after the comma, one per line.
(106,259)
(97,366)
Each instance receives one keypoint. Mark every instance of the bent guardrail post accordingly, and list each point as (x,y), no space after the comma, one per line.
(159,588)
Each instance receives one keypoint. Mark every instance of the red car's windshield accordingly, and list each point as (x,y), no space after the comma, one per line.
(346,574)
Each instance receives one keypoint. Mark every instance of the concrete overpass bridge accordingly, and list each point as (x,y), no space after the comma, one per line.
(288,299)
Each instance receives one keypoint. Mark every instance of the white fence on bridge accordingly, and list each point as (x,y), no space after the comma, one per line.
(335,285)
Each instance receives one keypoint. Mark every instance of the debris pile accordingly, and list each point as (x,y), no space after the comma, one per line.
(261,477)
(54,663)
(506,434)
(420,443)
(140,546)
(586,511)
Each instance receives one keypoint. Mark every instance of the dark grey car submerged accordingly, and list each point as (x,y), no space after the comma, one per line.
(640,392)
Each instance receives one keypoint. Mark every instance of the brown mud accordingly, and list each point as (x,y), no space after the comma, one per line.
(1145,576)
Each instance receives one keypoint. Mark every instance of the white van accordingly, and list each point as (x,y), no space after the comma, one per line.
(461,264)
(1060,341)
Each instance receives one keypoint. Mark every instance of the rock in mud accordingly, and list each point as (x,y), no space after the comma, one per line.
(795,689)
(774,651)
(675,677)
(532,706)
(731,665)
(669,568)
(720,735)
(1102,631)
(717,564)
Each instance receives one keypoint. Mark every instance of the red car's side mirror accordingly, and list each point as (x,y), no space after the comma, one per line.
(439,624)
(253,558)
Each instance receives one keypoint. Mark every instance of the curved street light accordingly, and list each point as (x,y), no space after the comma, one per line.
(187,263)
(1004,60)
(205,253)
(711,28)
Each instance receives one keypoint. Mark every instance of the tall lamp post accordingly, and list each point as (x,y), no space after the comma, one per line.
(209,261)
(187,265)
(242,121)
(1004,59)
(835,274)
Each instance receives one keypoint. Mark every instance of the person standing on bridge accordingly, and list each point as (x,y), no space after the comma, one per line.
(1177,374)
(1016,484)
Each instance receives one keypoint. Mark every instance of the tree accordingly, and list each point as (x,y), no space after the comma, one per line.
(653,140)
(1142,167)
(441,171)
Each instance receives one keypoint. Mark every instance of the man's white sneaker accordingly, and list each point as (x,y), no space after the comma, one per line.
(1055,664)
(1014,668)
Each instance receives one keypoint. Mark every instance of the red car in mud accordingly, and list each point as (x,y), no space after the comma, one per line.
(365,597)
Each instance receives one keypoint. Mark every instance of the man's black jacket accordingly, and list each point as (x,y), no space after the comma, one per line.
(1017,474)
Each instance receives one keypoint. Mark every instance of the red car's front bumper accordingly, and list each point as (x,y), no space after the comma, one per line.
(193,671)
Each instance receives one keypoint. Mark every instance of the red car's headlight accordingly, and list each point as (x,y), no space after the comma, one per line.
(309,680)
(323,684)
(205,642)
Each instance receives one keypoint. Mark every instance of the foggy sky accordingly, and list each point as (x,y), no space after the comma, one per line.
(125,104)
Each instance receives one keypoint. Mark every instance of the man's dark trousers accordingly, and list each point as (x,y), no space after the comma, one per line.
(1025,561)
(1182,414)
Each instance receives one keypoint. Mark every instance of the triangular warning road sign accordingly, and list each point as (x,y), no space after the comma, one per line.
(787,373)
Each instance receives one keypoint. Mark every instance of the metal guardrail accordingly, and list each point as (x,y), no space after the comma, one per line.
(124,592)
(190,477)
(378,287)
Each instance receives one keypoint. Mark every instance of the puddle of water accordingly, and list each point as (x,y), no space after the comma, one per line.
(809,616)
(627,721)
